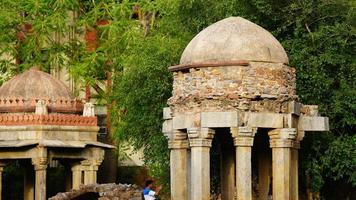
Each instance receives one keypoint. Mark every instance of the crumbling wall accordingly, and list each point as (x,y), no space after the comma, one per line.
(258,87)
(109,191)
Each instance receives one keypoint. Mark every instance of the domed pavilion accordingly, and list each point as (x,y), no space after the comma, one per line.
(234,121)
(42,123)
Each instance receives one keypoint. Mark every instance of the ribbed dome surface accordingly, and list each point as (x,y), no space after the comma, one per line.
(23,91)
(234,39)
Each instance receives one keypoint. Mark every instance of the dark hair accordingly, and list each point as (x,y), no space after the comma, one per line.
(148,182)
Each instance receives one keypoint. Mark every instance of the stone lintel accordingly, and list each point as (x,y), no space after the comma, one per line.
(185,121)
(8,128)
(307,123)
(178,144)
(219,119)
(24,138)
(265,120)
(200,142)
(167,113)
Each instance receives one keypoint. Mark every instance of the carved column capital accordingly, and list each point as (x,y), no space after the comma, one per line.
(200,142)
(283,133)
(243,136)
(243,141)
(280,143)
(206,133)
(179,135)
(282,138)
(178,144)
(40,163)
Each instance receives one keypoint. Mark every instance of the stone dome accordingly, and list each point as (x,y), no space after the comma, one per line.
(233,39)
(21,93)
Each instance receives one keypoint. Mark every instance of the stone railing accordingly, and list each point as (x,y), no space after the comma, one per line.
(14,104)
(50,119)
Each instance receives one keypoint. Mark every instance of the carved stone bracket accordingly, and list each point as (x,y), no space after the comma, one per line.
(206,133)
(179,135)
(283,137)
(40,163)
(243,136)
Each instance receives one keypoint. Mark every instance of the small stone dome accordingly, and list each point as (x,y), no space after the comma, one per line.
(21,93)
(234,39)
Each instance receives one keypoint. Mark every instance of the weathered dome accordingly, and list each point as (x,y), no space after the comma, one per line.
(233,39)
(21,93)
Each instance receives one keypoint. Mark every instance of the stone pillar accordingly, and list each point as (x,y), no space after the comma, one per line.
(90,168)
(29,183)
(200,168)
(179,169)
(243,140)
(2,166)
(88,172)
(227,174)
(76,176)
(294,171)
(281,144)
(40,165)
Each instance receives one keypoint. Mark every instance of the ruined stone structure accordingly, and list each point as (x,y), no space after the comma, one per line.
(42,123)
(109,191)
(234,86)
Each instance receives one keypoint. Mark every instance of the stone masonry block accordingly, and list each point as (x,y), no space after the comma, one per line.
(313,123)
(294,107)
(167,113)
(219,119)
(265,120)
(186,121)
(167,126)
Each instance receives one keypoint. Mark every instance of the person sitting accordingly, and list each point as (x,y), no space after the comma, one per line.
(148,192)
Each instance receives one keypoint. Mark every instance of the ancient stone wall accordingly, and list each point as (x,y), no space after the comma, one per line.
(258,87)
(109,191)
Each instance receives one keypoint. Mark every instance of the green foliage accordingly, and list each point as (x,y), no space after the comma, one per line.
(340,158)
(318,35)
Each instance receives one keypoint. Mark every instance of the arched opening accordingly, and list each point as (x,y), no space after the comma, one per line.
(261,166)
(222,165)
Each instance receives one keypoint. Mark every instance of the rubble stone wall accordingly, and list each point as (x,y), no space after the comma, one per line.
(109,191)
(258,87)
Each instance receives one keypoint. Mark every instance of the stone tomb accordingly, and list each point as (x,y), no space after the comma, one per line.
(234,116)
(42,124)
